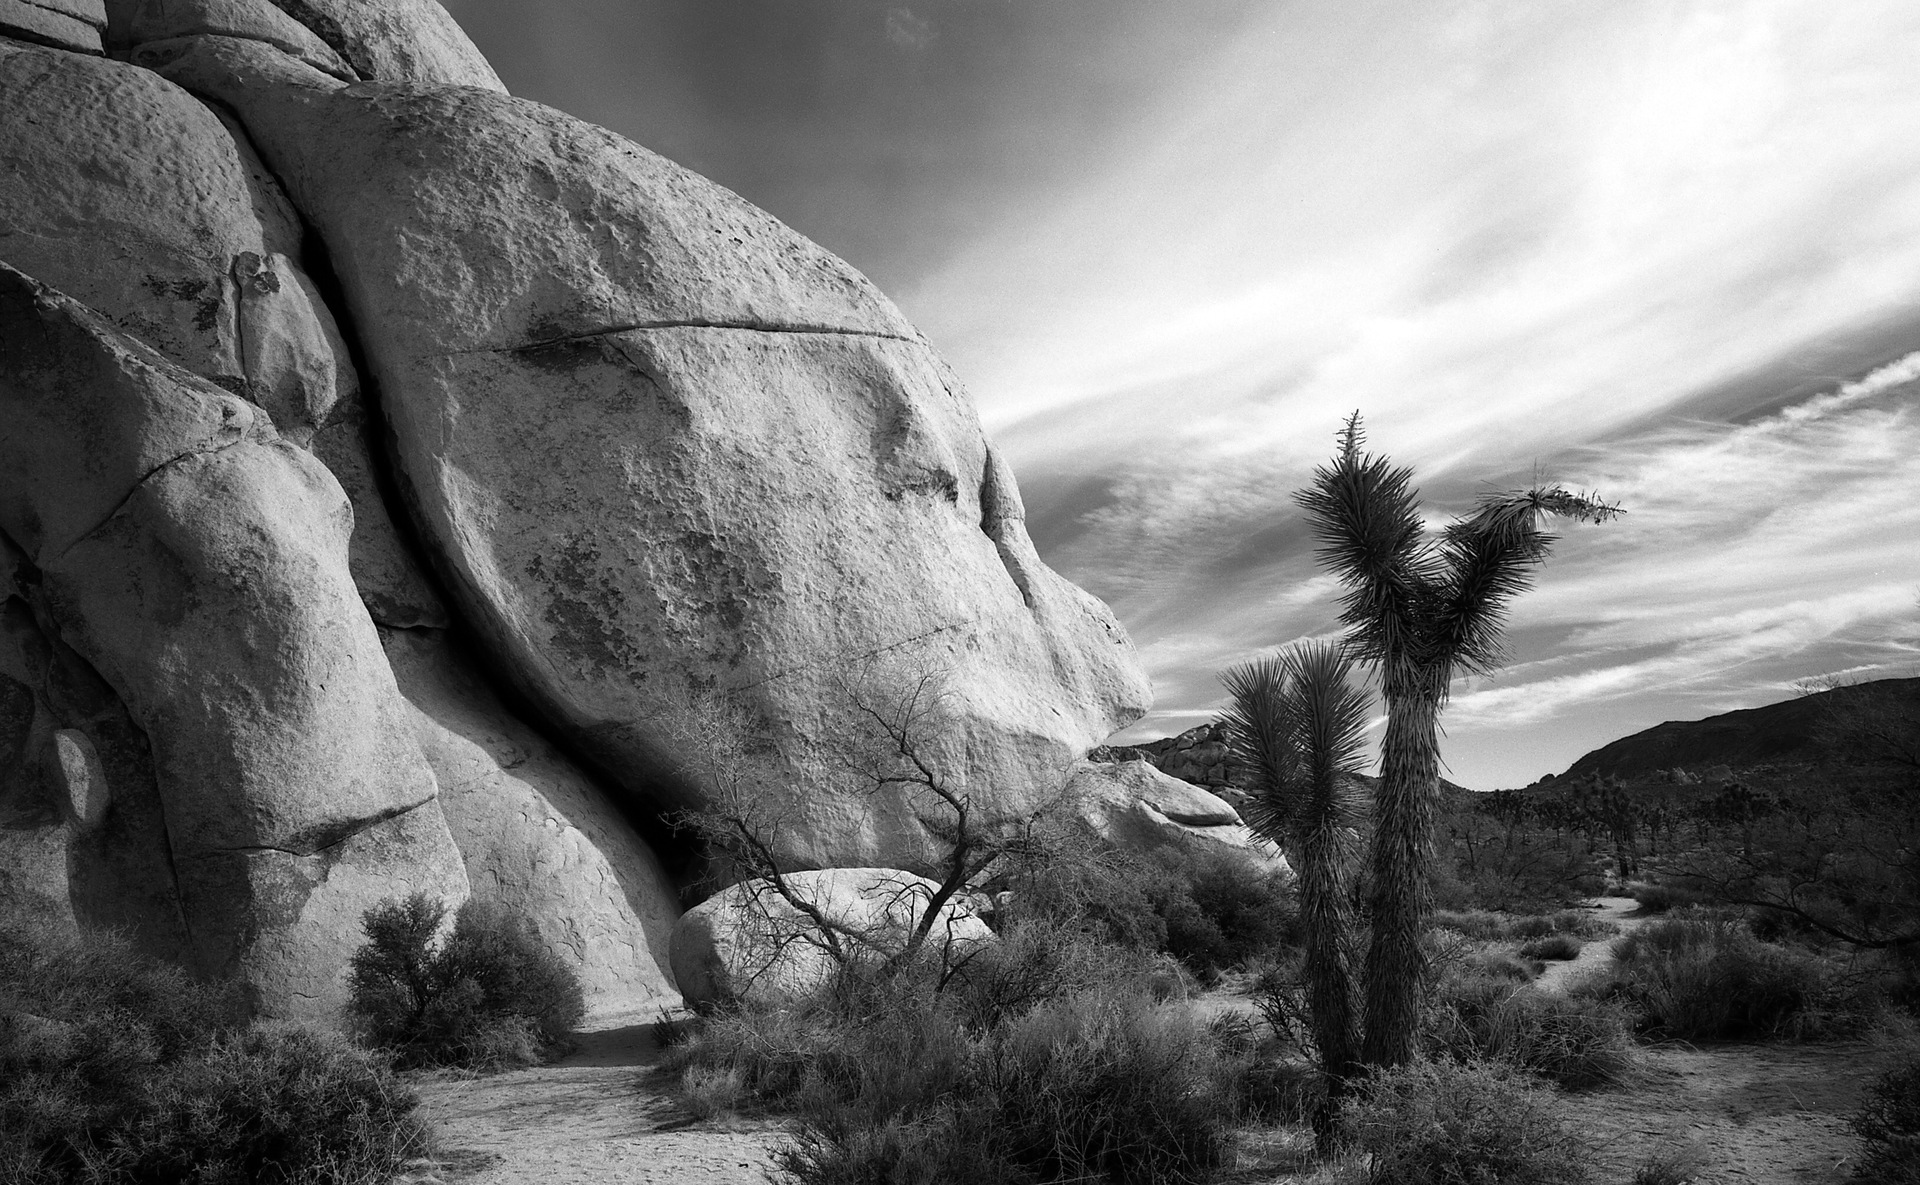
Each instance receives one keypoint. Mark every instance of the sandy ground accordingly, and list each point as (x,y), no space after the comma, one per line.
(597,1117)
(1751,1114)
(1621,911)
(1767,1114)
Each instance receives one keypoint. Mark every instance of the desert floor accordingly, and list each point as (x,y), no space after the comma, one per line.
(1758,1114)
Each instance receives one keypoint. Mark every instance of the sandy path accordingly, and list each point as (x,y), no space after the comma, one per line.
(1756,1114)
(1597,952)
(1759,1114)
(594,1118)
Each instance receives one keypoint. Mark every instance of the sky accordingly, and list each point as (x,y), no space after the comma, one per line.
(1666,250)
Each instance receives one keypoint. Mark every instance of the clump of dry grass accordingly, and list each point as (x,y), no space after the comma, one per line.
(1446,1123)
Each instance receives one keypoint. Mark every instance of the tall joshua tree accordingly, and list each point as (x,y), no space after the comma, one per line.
(1298,724)
(1421,609)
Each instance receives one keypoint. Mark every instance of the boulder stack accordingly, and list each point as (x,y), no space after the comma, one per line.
(408,487)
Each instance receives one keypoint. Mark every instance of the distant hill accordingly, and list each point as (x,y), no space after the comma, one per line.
(1785,733)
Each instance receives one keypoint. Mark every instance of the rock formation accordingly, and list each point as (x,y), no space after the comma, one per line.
(404,486)
(1133,806)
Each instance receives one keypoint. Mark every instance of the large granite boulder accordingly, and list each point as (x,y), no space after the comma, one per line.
(198,563)
(749,944)
(664,449)
(134,197)
(82,835)
(392,40)
(67,24)
(539,837)
(406,487)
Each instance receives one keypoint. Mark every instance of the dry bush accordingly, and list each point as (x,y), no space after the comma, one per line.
(1556,947)
(489,997)
(1889,1125)
(117,1069)
(1211,911)
(1679,1164)
(893,1080)
(1579,1044)
(1658,898)
(1463,1123)
(1700,975)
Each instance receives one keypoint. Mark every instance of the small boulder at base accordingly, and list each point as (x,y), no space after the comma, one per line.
(746,943)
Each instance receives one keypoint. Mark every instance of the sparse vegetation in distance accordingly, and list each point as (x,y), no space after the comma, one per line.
(490,996)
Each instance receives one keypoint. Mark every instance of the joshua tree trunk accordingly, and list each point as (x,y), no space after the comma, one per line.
(1402,841)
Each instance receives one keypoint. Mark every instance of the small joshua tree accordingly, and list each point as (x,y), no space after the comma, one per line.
(1421,609)
(1297,725)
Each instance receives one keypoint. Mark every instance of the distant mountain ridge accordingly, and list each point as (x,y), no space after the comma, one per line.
(1784,733)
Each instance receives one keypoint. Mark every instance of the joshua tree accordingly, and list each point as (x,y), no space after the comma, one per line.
(1421,609)
(1297,725)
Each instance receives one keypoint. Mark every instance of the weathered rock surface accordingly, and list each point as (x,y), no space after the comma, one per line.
(687,481)
(537,836)
(143,21)
(747,942)
(667,449)
(114,871)
(130,195)
(67,24)
(397,40)
(198,563)
(1135,807)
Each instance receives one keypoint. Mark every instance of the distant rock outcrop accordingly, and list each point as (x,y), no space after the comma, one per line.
(1793,731)
(405,486)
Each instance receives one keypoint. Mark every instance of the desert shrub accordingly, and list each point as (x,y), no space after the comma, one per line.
(1672,1165)
(1579,1044)
(1107,1085)
(488,997)
(1218,909)
(1703,976)
(1658,898)
(114,1068)
(948,1146)
(1103,894)
(1488,926)
(1889,1125)
(1463,1123)
(1556,946)
(275,1104)
(1481,924)
(892,1080)
(1583,924)
(1212,911)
